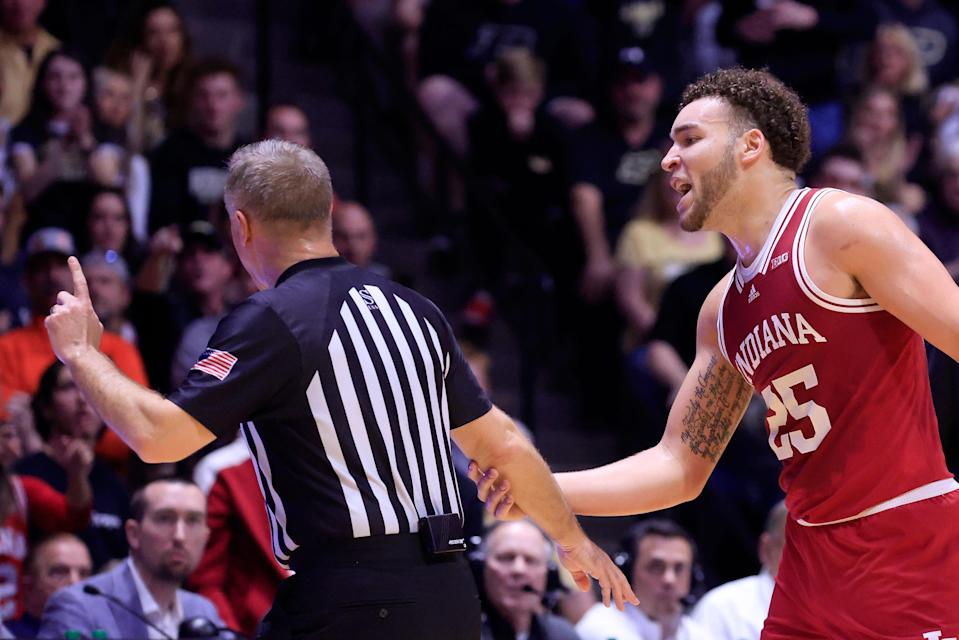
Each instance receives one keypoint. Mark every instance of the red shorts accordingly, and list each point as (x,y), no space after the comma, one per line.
(894,574)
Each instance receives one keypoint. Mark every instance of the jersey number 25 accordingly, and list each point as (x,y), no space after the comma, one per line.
(781,401)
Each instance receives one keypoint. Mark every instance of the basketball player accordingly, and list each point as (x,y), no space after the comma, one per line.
(824,315)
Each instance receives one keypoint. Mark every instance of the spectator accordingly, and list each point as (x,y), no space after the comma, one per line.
(612,164)
(109,227)
(29,502)
(109,280)
(518,158)
(23,45)
(287,121)
(651,252)
(894,62)
(354,236)
(936,32)
(516,557)
(661,555)
(66,423)
(203,270)
(25,353)
(842,167)
(800,42)
(613,161)
(189,167)
(112,102)
(157,58)
(200,299)
(166,533)
(877,130)
(665,30)
(54,563)
(458,39)
(738,609)
(57,152)
(14,304)
(242,591)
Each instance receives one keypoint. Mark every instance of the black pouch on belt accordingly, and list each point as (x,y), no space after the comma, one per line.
(442,533)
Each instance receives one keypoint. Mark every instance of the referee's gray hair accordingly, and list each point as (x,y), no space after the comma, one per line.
(279,181)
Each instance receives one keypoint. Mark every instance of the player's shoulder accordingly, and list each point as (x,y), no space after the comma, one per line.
(841,216)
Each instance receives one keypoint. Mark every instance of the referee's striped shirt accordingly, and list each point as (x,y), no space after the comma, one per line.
(346,386)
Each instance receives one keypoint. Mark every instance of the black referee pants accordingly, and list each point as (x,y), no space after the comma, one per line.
(377,588)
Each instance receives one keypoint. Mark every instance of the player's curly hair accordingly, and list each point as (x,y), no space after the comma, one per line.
(762,101)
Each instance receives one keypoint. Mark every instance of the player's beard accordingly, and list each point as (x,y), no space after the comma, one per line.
(714,185)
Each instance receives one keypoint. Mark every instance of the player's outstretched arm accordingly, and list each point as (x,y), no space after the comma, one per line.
(707,410)
(494,441)
(154,427)
(864,239)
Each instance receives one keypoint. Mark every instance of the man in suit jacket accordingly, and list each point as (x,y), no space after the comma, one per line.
(166,532)
(242,591)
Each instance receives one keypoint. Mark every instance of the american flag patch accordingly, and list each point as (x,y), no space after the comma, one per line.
(217,363)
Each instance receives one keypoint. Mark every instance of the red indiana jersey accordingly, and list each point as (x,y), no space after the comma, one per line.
(845,382)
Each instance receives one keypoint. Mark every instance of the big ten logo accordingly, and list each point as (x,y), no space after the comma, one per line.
(368,299)
(935,635)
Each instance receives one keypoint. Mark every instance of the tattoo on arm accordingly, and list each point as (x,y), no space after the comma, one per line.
(718,402)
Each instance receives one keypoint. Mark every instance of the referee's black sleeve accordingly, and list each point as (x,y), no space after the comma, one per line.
(250,357)
(467,400)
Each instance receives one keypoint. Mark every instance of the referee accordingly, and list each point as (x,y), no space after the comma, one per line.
(347,387)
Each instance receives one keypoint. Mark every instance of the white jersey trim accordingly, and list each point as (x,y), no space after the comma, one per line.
(761,263)
(805,281)
(926,491)
(719,317)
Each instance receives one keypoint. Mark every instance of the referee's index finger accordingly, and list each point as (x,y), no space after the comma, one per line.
(80,289)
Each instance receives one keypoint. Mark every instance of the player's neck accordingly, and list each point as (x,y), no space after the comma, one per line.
(751,212)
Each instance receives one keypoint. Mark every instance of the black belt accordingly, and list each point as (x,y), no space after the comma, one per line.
(396,550)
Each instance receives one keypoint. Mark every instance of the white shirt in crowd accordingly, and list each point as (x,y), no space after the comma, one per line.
(600,623)
(168,620)
(736,610)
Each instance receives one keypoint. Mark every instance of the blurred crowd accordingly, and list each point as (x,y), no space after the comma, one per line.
(544,123)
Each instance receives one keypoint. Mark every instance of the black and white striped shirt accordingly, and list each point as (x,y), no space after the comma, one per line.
(346,386)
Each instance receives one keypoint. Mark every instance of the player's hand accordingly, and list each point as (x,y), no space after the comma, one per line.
(583,559)
(73,325)
(494,493)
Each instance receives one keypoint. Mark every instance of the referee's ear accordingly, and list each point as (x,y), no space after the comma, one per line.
(241,227)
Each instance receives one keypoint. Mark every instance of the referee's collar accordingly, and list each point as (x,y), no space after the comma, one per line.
(312,263)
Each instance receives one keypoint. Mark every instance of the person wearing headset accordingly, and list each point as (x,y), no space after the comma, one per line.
(516,564)
(659,557)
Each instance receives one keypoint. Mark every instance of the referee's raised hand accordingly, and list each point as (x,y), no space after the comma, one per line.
(584,559)
(73,325)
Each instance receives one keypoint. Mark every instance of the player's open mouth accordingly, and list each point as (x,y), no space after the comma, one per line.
(681,186)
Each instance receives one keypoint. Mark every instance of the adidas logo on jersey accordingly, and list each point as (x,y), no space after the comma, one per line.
(778,260)
(753,294)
